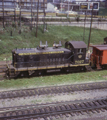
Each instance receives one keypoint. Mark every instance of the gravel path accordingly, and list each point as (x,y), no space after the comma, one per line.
(91,116)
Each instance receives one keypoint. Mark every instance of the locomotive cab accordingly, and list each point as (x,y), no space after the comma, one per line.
(78,50)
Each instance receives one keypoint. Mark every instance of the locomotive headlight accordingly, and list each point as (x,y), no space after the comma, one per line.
(79,56)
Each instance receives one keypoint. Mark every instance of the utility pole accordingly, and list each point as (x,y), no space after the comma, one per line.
(20,19)
(3,12)
(84,26)
(31,16)
(15,11)
(37,18)
(68,5)
(68,9)
(61,5)
(90,28)
(44,16)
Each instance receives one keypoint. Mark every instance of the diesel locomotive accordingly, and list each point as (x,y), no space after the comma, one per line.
(44,59)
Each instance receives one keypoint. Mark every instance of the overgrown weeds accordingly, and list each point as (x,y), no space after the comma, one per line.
(28,38)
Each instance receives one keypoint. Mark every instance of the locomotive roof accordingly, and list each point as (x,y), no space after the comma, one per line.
(39,51)
(100,47)
(77,44)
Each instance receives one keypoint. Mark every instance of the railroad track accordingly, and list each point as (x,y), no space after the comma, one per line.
(52,90)
(54,109)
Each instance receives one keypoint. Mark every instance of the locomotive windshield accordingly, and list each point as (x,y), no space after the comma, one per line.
(80,50)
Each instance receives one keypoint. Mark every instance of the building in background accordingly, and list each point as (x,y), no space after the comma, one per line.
(51,7)
(88,7)
(23,4)
(69,6)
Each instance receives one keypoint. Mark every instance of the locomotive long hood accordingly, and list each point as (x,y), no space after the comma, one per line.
(34,51)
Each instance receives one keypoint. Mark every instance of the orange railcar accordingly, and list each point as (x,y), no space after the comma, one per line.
(99,56)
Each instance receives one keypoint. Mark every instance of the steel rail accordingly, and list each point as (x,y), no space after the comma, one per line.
(18,108)
(52,90)
(57,109)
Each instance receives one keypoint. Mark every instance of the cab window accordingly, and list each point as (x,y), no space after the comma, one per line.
(80,50)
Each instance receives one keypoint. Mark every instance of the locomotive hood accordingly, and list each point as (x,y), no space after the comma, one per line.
(32,51)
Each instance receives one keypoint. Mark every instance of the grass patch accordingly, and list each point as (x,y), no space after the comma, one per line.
(6,57)
(54,80)
(55,33)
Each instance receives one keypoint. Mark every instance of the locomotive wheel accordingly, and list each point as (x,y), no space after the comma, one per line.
(41,72)
(68,70)
(83,69)
(24,74)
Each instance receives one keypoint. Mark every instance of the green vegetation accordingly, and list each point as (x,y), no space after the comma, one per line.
(6,57)
(55,33)
(54,80)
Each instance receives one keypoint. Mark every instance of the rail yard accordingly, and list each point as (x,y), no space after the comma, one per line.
(77,101)
(53,65)
(77,106)
(48,111)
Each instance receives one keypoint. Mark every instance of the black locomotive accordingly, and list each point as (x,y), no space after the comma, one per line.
(30,61)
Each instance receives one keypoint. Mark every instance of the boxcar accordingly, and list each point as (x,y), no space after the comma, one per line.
(99,56)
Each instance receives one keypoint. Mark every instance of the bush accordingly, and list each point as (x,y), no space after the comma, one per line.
(13,24)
